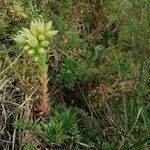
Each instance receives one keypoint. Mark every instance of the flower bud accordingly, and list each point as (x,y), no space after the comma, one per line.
(20,39)
(45,43)
(40,25)
(41,50)
(41,37)
(36,58)
(32,41)
(31,52)
(48,26)
(51,33)
(27,47)
(33,28)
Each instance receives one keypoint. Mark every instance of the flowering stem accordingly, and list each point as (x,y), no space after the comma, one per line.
(35,40)
(44,105)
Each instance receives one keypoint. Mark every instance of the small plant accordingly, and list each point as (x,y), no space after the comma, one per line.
(26,125)
(36,41)
(63,126)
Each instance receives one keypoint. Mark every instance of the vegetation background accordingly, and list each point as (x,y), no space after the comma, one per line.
(99,72)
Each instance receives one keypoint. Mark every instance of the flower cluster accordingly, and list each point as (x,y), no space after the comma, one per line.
(36,39)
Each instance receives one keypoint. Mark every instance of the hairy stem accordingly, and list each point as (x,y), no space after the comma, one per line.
(44,105)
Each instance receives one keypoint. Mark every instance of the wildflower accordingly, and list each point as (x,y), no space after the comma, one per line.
(35,39)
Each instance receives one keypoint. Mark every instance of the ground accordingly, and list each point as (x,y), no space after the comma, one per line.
(98,71)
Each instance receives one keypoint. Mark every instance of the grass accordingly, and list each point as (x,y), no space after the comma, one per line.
(98,72)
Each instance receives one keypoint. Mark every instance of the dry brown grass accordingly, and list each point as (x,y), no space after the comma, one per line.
(17,95)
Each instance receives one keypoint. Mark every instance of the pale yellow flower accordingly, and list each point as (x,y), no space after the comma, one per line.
(36,39)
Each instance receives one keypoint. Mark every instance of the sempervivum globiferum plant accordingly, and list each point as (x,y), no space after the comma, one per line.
(36,41)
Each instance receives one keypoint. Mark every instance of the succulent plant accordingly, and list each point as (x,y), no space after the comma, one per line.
(36,41)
